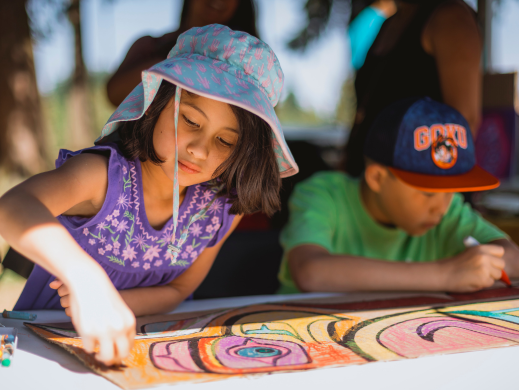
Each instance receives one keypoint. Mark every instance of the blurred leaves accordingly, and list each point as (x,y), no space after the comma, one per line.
(45,16)
(290,112)
(322,15)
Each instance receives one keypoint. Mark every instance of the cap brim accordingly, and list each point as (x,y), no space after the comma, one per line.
(477,179)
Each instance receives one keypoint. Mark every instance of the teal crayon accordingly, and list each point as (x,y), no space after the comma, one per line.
(19,315)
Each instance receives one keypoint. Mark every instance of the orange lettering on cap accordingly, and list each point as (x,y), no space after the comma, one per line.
(462,136)
(422,140)
(451,132)
(437,130)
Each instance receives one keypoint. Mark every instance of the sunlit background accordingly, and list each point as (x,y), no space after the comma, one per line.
(111,26)
(318,96)
(318,89)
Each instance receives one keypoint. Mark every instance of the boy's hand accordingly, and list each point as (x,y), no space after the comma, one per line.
(474,269)
(64,294)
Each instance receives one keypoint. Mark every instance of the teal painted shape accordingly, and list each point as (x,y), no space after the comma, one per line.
(497,314)
(265,330)
(258,352)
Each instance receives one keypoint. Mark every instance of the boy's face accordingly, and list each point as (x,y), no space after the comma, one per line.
(207,134)
(399,204)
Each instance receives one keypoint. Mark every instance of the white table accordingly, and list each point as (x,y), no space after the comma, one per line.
(38,365)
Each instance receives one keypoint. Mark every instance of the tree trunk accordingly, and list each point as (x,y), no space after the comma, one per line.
(22,141)
(80,124)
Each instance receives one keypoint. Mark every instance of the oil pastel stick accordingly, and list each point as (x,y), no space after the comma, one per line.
(19,315)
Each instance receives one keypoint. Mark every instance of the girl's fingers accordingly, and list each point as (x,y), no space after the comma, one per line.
(63,290)
(68,312)
(106,352)
(131,337)
(65,301)
(122,347)
(55,284)
(88,343)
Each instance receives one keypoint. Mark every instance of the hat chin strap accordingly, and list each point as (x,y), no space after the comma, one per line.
(172,248)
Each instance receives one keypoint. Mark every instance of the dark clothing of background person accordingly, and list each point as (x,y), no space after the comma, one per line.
(398,66)
(238,15)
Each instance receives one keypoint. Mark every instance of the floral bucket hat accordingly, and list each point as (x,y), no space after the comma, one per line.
(221,64)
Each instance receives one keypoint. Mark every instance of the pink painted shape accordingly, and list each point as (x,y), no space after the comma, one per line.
(428,336)
(174,357)
(227,349)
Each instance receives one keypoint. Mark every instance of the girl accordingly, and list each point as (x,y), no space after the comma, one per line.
(199,132)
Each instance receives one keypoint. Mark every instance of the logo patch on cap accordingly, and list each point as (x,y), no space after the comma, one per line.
(425,136)
(444,141)
(444,152)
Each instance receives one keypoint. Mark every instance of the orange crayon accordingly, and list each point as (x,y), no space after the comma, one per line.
(505,279)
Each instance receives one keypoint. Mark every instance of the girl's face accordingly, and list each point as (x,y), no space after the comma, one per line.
(207,134)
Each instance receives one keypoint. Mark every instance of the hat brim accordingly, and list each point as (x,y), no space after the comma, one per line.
(238,92)
(211,82)
(477,179)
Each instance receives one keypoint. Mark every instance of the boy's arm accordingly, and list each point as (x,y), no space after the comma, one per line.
(313,268)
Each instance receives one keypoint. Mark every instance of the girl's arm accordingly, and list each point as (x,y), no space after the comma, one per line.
(313,268)
(162,299)
(28,224)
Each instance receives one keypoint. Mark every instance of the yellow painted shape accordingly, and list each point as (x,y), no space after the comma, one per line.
(366,337)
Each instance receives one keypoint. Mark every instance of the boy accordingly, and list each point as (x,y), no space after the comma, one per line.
(402,226)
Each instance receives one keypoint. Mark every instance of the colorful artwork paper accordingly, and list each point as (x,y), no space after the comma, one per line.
(268,338)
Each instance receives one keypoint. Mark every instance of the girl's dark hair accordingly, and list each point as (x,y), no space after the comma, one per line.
(244,18)
(250,175)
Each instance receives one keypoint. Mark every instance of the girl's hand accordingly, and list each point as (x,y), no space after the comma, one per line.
(63,293)
(100,316)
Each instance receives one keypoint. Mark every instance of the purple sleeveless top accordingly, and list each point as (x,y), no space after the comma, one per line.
(120,238)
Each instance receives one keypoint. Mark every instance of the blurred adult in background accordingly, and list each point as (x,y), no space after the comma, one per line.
(147,51)
(364,27)
(428,48)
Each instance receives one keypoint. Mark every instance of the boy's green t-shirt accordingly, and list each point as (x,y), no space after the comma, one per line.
(327,210)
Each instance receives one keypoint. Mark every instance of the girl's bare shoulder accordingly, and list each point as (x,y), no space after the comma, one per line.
(78,187)
(87,167)
(86,176)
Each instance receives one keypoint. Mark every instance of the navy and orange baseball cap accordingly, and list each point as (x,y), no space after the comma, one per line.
(427,145)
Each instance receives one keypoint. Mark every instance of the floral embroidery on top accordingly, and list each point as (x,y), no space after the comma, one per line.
(123,238)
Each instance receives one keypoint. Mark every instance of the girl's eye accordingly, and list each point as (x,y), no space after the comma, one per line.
(224,143)
(190,123)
